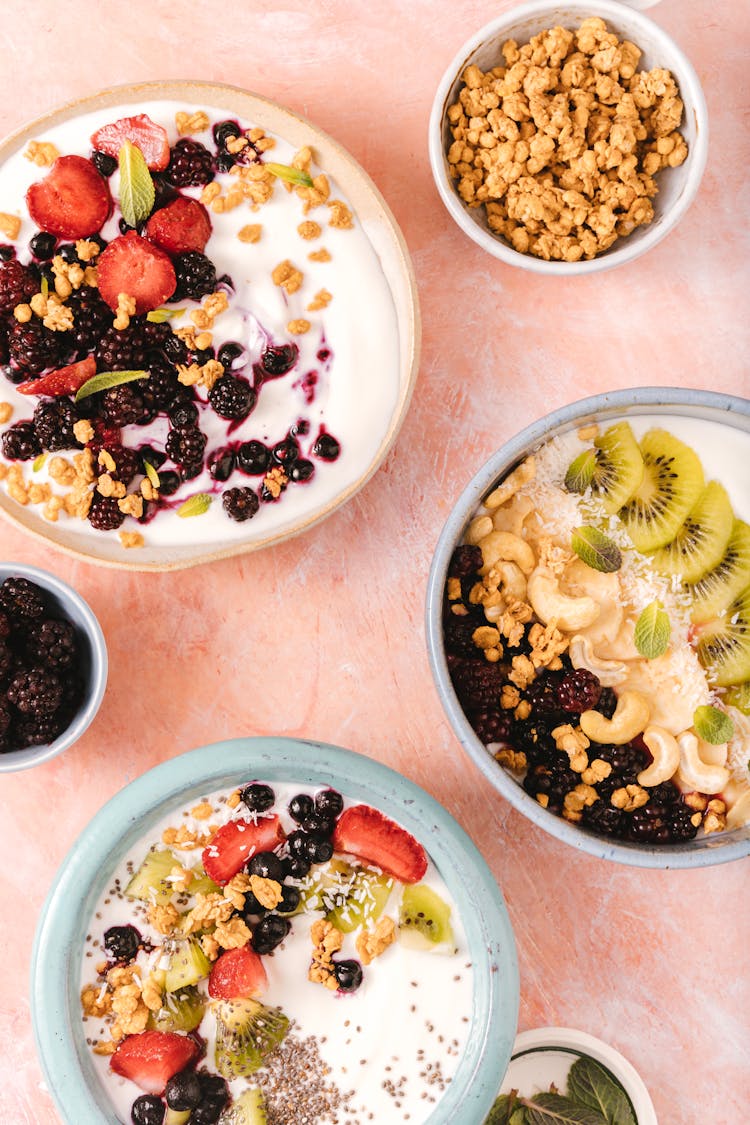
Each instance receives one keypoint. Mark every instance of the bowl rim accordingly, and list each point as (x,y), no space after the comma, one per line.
(87,621)
(405,297)
(692,95)
(720,848)
(65,915)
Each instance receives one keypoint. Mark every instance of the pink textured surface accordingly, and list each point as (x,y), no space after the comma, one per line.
(323,636)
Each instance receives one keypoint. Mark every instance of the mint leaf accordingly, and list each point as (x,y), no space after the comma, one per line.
(553,1109)
(591,1084)
(107,379)
(652,631)
(506,1111)
(137,192)
(596,549)
(581,471)
(158,316)
(291,175)
(152,474)
(195,505)
(712,725)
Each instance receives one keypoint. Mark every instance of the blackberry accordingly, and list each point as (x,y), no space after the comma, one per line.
(664,796)
(458,632)
(38,730)
(579,690)
(647,825)
(196,276)
(544,694)
(605,819)
(120,350)
(607,703)
(185,445)
(7,660)
(626,761)
(534,737)
(232,397)
(680,825)
(326,447)
(17,285)
(92,318)
(190,162)
(491,724)
(53,422)
(221,464)
(269,933)
(551,781)
(278,359)
(123,405)
(42,246)
(127,463)
(163,387)
(4,717)
(465,561)
(104,163)
(253,458)
(122,943)
(348,975)
(20,442)
(35,692)
(52,643)
(301,471)
(258,797)
(478,683)
(104,514)
(147,1109)
(23,599)
(32,347)
(240,504)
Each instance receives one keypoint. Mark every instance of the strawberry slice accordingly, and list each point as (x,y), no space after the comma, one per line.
(131,265)
(72,201)
(370,835)
(237,973)
(151,1058)
(140,130)
(62,381)
(236,842)
(180,226)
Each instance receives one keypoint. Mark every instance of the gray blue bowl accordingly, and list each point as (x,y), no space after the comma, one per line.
(67,603)
(58,947)
(704,405)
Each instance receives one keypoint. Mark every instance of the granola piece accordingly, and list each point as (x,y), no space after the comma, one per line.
(42,153)
(287,277)
(320,301)
(163,917)
(131,539)
(511,759)
(629,798)
(309,230)
(522,672)
(209,909)
(96,1000)
(125,309)
(341,216)
(596,771)
(10,225)
(188,123)
(232,934)
(83,431)
(251,232)
(298,327)
(6,412)
(326,940)
(372,943)
(575,744)
(274,482)
(268,892)
(547,642)
(321,255)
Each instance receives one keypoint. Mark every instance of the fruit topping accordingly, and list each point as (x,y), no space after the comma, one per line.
(246,1032)
(147,1110)
(724,644)
(72,201)
(183,1091)
(371,836)
(258,797)
(237,973)
(424,919)
(63,381)
(671,484)
(133,266)
(195,274)
(348,975)
(182,1010)
(234,844)
(701,541)
(151,1058)
(182,225)
(122,943)
(140,130)
(190,162)
(151,882)
(187,964)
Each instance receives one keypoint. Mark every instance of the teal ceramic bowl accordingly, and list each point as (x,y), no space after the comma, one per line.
(58,946)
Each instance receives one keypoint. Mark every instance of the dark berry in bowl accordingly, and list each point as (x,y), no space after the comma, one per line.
(148,1110)
(269,933)
(42,246)
(240,504)
(267,865)
(183,1091)
(190,162)
(122,943)
(329,802)
(20,442)
(279,359)
(258,797)
(221,464)
(105,164)
(326,447)
(253,458)
(232,397)
(301,471)
(196,276)
(301,806)
(579,691)
(290,899)
(348,975)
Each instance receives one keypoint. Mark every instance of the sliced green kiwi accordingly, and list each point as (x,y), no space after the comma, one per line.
(712,593)
(248,1109)
(187,964)
(700,543)
(177,1116)
(672,482)
(201,883)
(246,1031)
(181,1011)
(424,919)
(739,696)
(360,901)
(151,881)
(619,466)
(724,645)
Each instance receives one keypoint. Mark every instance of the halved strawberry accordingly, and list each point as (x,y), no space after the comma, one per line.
(72,201)
(237,973)
(132,265)
(180,226)
(370,835)
(140,130)
(236,842)
(62,381)
(151,1058)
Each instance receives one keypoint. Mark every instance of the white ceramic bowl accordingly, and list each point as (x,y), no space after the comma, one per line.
(677,186)
(66,602)
(724,410)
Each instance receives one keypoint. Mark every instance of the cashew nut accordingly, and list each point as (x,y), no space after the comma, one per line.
(739,813)
(502,546)
(666,755)
(478,529)
(512,516)
(511,584)
(693,772)
(510,486)
(582,655)
(630,718)
(579,579)
(548,602)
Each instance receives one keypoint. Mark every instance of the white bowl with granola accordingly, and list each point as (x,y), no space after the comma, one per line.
(589,625)
(567,139)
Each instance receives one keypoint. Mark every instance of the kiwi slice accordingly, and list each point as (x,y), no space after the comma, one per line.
(712,593)
(187,965)
(201,883)
(151,881)
(177,1116)
(700,543)
(739,696)
(619,466)
(424,919)
(248,1109)
(246,1031)
(672,482)
(360,901)
(724,645)
(182,1011)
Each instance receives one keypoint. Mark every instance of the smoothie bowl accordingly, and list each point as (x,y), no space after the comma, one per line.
(278,928)
(209,330)
(589,625)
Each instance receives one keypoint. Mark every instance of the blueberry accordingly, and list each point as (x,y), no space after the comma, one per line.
(7,253)
(301,470)
(155,457)
(147,1110)
(279,359)
(296,842)
(290,897)
(252,908)
(68,252)
(296,867)
(321,827)
(319,851)
(258,797)
(169,482)
(229,353)
(104,163)
(300,807)
(42,246)
(326,447)
(183,1090)
(285,452)
(223,130)
(253,458)
(183,414)
(328,802)
(348,975)
(269,933)
(267,865)
(121,943)
(221,464)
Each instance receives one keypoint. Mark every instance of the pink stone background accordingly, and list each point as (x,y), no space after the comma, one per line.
(323,637)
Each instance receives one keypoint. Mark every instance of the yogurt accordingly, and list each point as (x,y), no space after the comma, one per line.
(390,1048)
(346,379)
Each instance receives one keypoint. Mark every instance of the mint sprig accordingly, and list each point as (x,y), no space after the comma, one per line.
(581,471)
(106,379)
(137,192)
(596,549)
(652,631)
(291,175)
(195,505)
(712,725)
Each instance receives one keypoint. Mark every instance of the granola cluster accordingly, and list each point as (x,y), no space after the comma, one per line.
(561,142)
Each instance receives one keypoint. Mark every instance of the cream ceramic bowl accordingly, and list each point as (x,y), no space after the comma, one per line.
(677,186)
(384,416)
